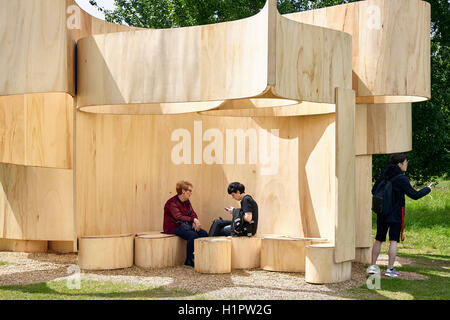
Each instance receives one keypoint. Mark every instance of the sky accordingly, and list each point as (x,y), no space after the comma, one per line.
(86,6)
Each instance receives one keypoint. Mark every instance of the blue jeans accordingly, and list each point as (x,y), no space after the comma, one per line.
(190,236)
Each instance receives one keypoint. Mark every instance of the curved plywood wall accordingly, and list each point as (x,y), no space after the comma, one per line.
(37,86)
(126,170)
(389,38)
(197,68)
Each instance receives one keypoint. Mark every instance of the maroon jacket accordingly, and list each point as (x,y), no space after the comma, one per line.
(178,211)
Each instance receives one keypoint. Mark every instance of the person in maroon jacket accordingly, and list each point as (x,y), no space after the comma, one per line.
(181,219)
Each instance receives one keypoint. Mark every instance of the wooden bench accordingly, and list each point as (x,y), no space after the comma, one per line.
(212,255)
(245,252)
(321,268)
(106,252)
(158,250)
(284,253)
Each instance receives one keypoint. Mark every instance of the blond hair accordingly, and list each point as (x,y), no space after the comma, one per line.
(183,185)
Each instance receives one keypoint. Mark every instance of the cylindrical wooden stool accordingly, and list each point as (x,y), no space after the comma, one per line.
(212,255)
(245,252)
(159,250)
(321,268)
(284,253)
(106,252)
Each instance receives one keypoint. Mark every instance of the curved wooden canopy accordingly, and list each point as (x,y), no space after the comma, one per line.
(230,65)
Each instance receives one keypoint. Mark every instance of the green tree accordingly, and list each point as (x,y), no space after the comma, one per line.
(430,157)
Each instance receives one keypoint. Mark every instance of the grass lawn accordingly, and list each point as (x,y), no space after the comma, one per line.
(89,290)
(427,242)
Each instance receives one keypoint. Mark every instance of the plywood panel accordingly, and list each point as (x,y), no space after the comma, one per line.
(311,61)
(345,175)
(383,128)
(126,170)
(363,217)
(35,51)
(120,68)
(389,37)
(36,203)
(37,130)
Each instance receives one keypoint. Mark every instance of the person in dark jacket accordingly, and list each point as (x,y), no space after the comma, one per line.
(394,221)
(181,219)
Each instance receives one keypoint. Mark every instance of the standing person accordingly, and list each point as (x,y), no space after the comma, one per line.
(181,219)
(394,220)
(249,210)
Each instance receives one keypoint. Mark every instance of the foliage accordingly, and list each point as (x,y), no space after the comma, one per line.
(430,157)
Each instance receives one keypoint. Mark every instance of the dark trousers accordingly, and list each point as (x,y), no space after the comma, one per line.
(190,236)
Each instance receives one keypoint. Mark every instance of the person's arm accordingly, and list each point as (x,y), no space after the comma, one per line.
(405,185)
(248,209)
(196,225)
(177,214)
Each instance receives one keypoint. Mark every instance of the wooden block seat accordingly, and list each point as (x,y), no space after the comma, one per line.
(283,253)
(321,268)
(158,250)
(29,246)
(106,252)
(212,255)
(245,252)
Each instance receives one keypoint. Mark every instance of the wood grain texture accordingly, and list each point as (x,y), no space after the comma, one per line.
(36,203)
(117,73)
(106,253)
(62,246)
(321,268)
(126,173)
(345,175)
(383,128)
(37,130)
(213,255)
(283,254)
(363,216)
(159,250)
(36,50)
(120,68)
(311,61)
(391,46)
(30,246)
(245,252)
(363,255)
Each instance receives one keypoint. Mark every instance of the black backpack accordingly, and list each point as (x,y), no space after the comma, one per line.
(240,228)
(382,197)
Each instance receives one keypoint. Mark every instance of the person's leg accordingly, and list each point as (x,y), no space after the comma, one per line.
(394,238)
(380,237)
(376,251)
(392,253)
(225,229)
(189,236)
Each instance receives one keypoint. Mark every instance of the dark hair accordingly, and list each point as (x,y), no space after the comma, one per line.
(236,186)
(396,158)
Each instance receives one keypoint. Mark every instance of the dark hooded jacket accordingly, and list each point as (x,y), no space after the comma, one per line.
(400,187)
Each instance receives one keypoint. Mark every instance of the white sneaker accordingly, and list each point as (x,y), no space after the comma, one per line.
(392,273)
(373,269)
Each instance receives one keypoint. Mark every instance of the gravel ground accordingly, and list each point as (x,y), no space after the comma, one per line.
(25,268)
